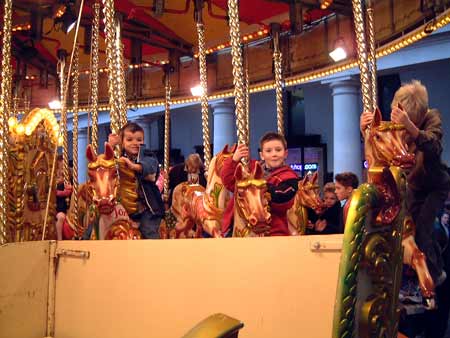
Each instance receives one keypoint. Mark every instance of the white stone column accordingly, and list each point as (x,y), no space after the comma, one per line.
(224,124)
(145,124)
(154,135)
(346,134)
(82,161)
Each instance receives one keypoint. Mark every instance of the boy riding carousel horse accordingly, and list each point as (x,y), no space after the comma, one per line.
(150,206)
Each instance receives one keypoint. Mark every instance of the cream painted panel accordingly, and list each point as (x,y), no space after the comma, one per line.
(279,287)
(24,271)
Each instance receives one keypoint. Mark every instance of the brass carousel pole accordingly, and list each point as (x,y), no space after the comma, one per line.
(204,85)
(75,87)
(372,53)
(247,102)
(65,142)
(120,75)
(63,128)
(114,95)
(94,76)
(278,70)
(358,17)
(4,105)
(238,73)
(167,132)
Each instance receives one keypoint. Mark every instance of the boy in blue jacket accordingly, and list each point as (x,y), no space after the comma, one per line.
(146,168)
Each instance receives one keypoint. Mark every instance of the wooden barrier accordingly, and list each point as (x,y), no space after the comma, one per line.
(278,287)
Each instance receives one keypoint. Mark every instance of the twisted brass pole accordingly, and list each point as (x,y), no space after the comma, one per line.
(204,96)
(108,12)
(372,54)
(358,18)
(75,86)
(15,108)
(5,88)
(247,103)
(167,135)
(238,73)
(278,69)
(121,89)
(65,142)
(94,75)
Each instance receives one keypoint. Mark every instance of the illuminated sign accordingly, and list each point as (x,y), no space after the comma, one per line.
(308,166)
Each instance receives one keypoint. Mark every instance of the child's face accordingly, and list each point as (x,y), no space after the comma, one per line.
(342,192)
(273,153)
(132,141)
(329,198)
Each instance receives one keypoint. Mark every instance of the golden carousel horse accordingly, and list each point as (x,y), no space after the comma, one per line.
(307,196)
(195,207)
(378,239)
(106,218)
(385,145)
(251,203)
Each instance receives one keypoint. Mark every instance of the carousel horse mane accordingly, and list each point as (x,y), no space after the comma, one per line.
(385,145)
(113,221)
(307,196)
(251,205)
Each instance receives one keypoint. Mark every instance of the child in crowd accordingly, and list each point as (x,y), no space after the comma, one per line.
(146,168)
(63,193)
(345,183)
(191,171)
(329,221)
(281,181)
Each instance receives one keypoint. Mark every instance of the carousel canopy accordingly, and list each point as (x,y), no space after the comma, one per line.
(157,32)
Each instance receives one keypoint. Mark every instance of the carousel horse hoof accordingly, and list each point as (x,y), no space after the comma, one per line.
(419,264)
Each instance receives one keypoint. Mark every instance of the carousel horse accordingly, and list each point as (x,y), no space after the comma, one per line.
(251,203)
(385,145)
(307,196)
(378,239)
(110,219)
(196,207)
(66,226)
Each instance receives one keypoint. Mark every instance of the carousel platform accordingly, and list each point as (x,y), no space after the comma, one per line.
(277,287)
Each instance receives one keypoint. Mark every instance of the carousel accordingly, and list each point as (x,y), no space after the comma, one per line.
(62,276)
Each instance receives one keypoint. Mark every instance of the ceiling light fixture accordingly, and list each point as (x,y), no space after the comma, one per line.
(197,90)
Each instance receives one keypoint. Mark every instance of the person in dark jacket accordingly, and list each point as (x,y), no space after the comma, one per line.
(428,180)
(146,168)
(329,221)
(191,171)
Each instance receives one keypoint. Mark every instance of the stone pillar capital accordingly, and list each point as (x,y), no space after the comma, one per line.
(223,106)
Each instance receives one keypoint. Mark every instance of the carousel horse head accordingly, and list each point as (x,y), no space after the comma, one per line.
(216,165)
(103,178)
(308,194)
(385,144)
(307,197)
(251,202)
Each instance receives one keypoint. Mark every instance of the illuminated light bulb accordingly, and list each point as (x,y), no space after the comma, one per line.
(20,129)
(28,130)
(12,122)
